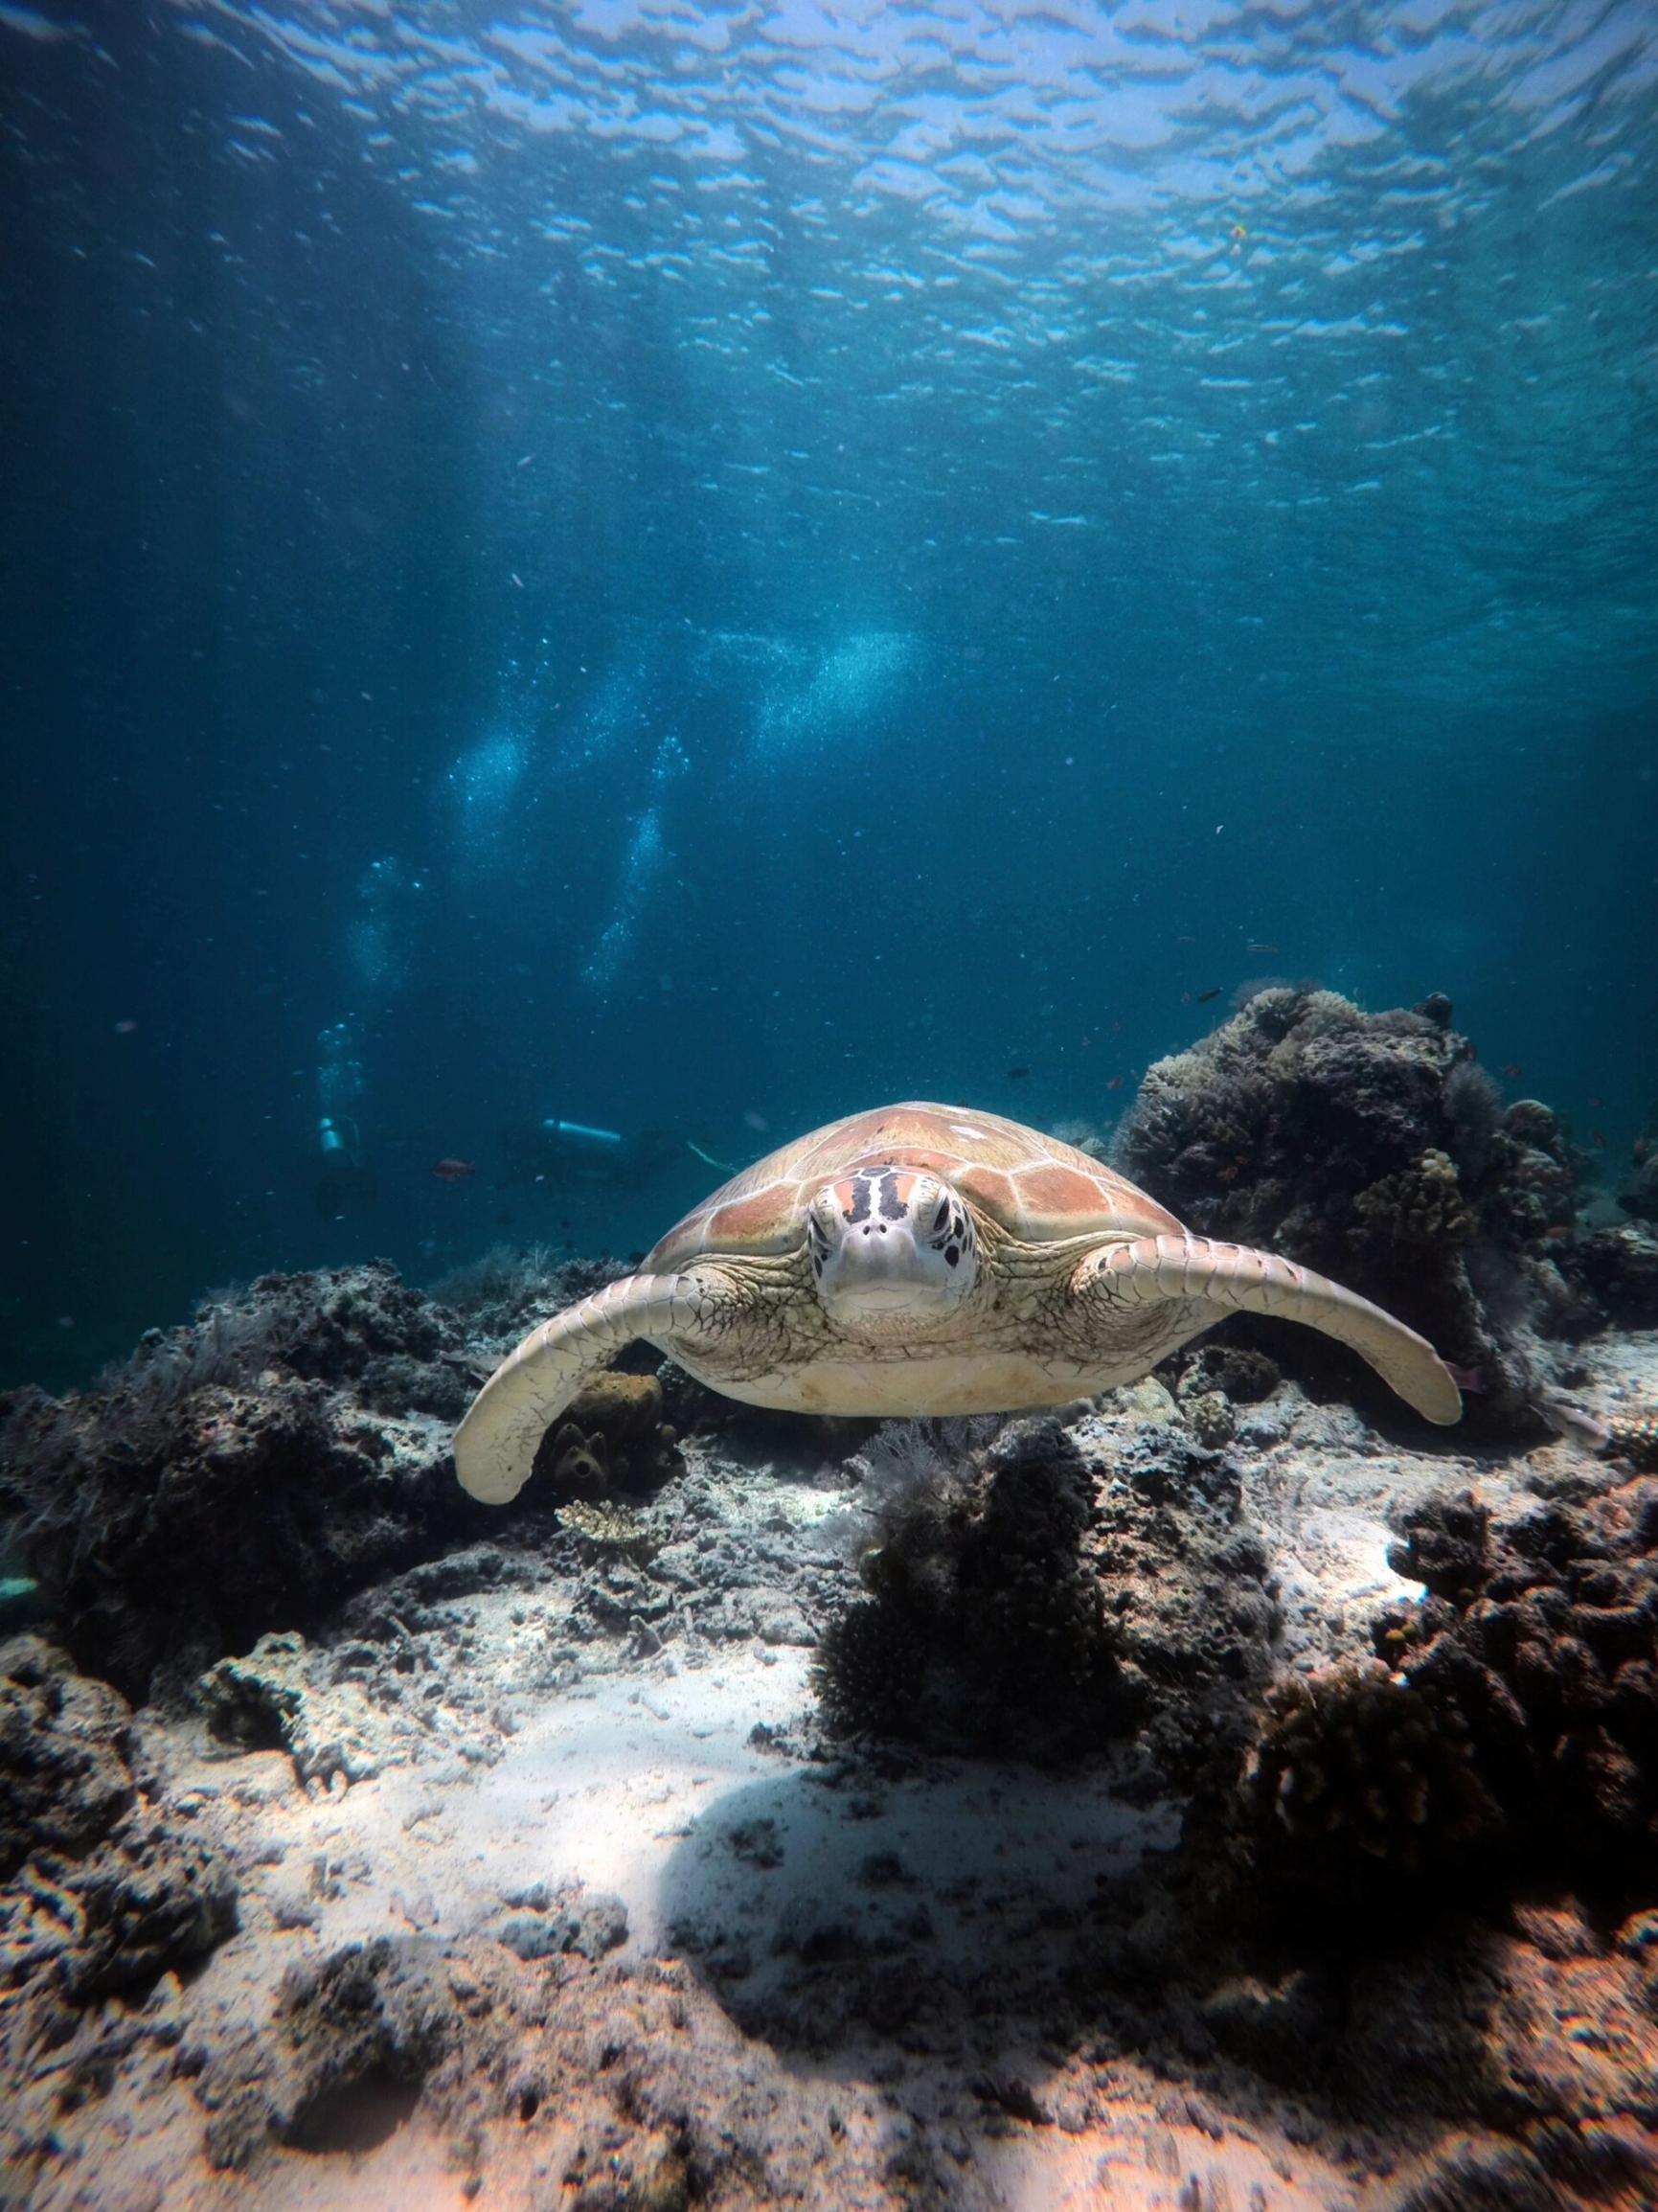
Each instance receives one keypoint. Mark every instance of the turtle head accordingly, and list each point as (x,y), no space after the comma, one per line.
(889,1242)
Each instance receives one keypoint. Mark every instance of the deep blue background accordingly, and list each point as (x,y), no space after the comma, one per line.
(712,645)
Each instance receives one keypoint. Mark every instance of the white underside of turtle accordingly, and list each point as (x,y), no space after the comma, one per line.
(920,1260)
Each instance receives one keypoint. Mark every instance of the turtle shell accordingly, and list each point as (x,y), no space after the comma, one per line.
(1037,1189)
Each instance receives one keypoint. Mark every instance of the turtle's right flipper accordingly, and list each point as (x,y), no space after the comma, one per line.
(495,1445)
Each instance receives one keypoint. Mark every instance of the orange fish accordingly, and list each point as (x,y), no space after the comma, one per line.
(452,1171)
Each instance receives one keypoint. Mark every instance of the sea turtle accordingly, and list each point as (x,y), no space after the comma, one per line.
(920,1260)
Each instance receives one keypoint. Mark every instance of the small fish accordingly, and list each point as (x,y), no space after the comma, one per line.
(1261,949)
(1596,1102)
(125,1028)
(1015,1073)
(1467,1378)
(1204,996)
(450,1171)
(1116,1083)
(1185,940)
(1512,1067)
(1597,1139)
(1561,1229)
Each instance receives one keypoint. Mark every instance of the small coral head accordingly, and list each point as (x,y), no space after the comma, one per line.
(889,1241)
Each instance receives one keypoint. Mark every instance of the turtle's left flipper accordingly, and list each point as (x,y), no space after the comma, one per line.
(1232,1278)
(495,1445)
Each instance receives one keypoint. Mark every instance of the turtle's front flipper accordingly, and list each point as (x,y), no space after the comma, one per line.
(1231,1278)
(495,1445)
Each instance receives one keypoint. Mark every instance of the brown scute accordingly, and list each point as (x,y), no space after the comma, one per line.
(1058,1198)
(992,1191)
(1030,1184)
(766,1218)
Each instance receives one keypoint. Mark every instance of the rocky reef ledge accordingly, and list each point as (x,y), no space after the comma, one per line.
(1224,1794)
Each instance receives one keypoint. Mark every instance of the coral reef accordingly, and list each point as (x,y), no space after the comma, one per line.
(99,1895)
(1026,1592)
(1638,1194)
(1541,1636)
(1353,1765)
(243,1474)
(1372,1147)
(504,1293)
(1616,1268)
(612,1436)
(978,1579)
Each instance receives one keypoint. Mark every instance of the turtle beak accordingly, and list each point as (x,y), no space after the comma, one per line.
(874,1256)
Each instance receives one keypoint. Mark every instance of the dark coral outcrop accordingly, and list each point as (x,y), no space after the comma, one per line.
(100,1893)
(1373,1147)
(985,1626)
(1028,1595)
(243,1473)
(1541,1636)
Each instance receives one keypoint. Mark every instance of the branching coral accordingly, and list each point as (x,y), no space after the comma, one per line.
(1355,1764)
(1543,1635)
(1423,1204)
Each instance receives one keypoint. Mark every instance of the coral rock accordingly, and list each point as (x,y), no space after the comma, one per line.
(97,1896)
(1354,1764)
(243,1474)
(1372,1147)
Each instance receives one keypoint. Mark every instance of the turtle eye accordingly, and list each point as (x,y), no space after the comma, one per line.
(943,1215)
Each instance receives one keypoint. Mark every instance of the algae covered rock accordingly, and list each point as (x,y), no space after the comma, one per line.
(243,1474)
(99,1894)
(1373,1147)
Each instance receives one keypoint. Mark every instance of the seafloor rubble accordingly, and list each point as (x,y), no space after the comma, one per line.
(1221,1795)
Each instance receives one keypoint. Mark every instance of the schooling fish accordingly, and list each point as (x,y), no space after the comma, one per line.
(1116,1083)
(452,1171)
(1015,1073)
(1204,996)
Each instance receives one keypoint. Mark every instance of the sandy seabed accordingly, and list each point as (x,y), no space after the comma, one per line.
(553,1892)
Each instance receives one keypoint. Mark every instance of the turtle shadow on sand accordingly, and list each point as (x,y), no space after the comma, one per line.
(840,1909)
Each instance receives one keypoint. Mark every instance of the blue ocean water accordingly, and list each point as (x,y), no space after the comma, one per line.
(690,569)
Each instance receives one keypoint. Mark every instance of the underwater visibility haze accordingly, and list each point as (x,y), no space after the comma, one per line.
(594,595)
(689,570)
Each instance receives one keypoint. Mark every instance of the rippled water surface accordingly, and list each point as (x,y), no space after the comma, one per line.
(693,568)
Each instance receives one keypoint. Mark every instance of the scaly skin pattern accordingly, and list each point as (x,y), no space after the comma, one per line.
(1051,1316)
